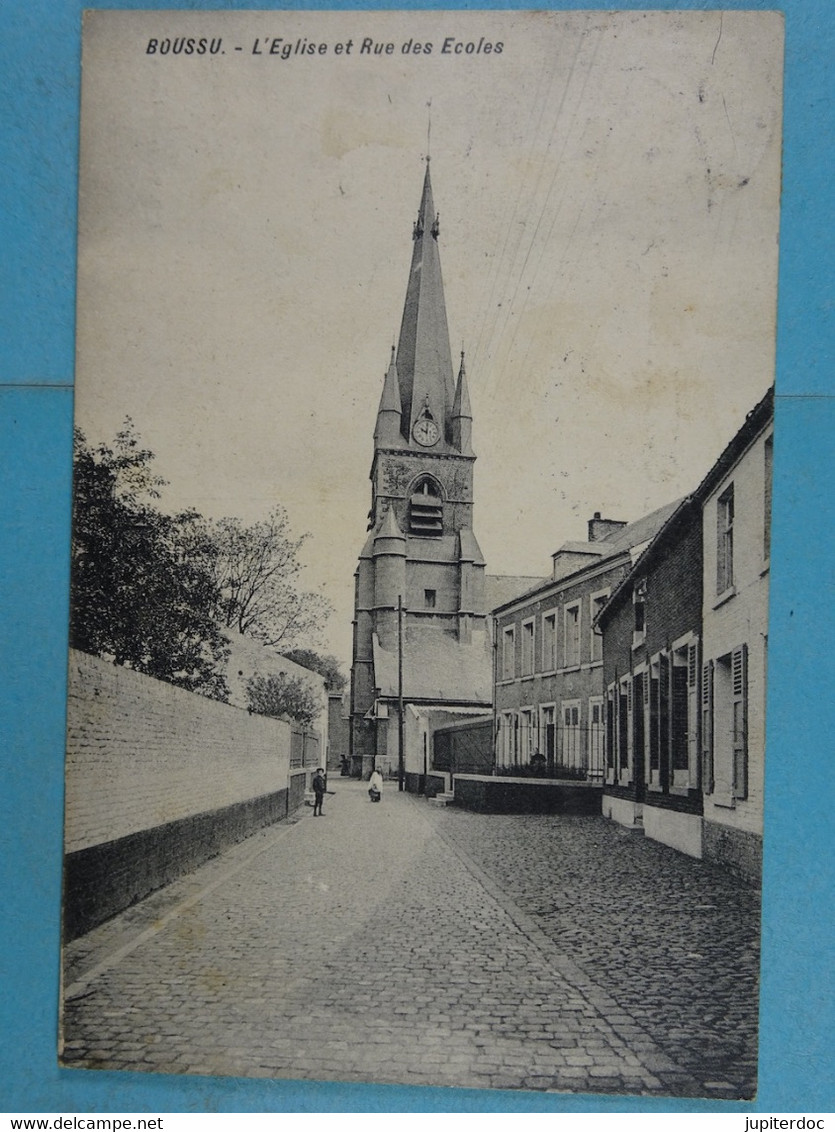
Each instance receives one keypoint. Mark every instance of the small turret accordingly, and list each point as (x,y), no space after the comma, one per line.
(462,417)
(389,576)
(387,430)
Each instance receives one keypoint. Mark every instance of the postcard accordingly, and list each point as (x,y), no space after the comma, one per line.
(422,485)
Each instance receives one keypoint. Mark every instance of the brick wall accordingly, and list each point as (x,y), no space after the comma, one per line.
(158,780)
(673,602)
(617,639)
(142,753)
(524,796)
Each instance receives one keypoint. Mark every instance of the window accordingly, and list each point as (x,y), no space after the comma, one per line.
(509,653)
(624,729)
(429,597)
(664,720)
(507,730)
(596,738)
(527,647)
(426,512)
(768,454)
(653,733)
(527,735)
(571,752)
(679,729)
(637,688)
(725,540)
(548,730)
(572,635)
(639,612)
(549,642)
(596,603)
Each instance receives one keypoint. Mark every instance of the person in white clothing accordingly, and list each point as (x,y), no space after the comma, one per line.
(376,783)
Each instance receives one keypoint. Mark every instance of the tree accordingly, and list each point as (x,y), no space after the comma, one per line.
(255,570)
(280,695)
(142,592)
(327,666)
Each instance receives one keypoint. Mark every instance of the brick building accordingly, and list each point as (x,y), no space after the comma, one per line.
(650,630)
(549,655)
(685,641)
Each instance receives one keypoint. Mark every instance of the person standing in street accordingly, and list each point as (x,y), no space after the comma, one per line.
(375,785)
(318,792)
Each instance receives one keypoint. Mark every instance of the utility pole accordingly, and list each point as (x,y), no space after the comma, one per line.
(493,695)
(401,766)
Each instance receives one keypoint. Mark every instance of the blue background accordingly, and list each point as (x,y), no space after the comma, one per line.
(39,89)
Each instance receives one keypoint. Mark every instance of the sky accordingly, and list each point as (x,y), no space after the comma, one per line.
(608,190)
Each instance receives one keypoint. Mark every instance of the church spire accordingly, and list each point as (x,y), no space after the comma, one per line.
(390,411)
(462,417)
(424,362)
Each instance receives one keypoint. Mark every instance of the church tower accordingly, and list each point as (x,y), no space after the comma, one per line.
(420,552)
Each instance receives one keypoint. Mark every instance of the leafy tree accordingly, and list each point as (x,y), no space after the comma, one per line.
(143,593)
(327,666)
(281,695)
(256,569)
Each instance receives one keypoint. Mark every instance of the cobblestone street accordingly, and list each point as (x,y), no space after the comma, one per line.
(411,943)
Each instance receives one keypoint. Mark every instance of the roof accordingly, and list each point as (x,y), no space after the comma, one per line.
(424,360)
(437,667)
(642,530)
(461,404)
(450,716)
(626,540)
(502,588)
(646,558)
(595,548)
(755,422)
(469,549)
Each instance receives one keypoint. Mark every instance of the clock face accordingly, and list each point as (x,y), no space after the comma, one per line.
(425,431)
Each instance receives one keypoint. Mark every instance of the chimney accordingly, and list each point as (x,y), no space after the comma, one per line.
(602,529)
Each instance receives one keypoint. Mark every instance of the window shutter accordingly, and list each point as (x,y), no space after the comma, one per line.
(664,720)
(739,681)
(654,709)
(692,669)
(623,729)
(610,728)
(693,714)
(707,727)
(680,725)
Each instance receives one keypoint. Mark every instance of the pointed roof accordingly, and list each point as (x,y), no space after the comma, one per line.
(387,430)
(389,528)
(461,405)
(469,550)
(390,398)
(424,361)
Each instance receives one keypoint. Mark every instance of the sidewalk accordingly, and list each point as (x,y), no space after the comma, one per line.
(369,945)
